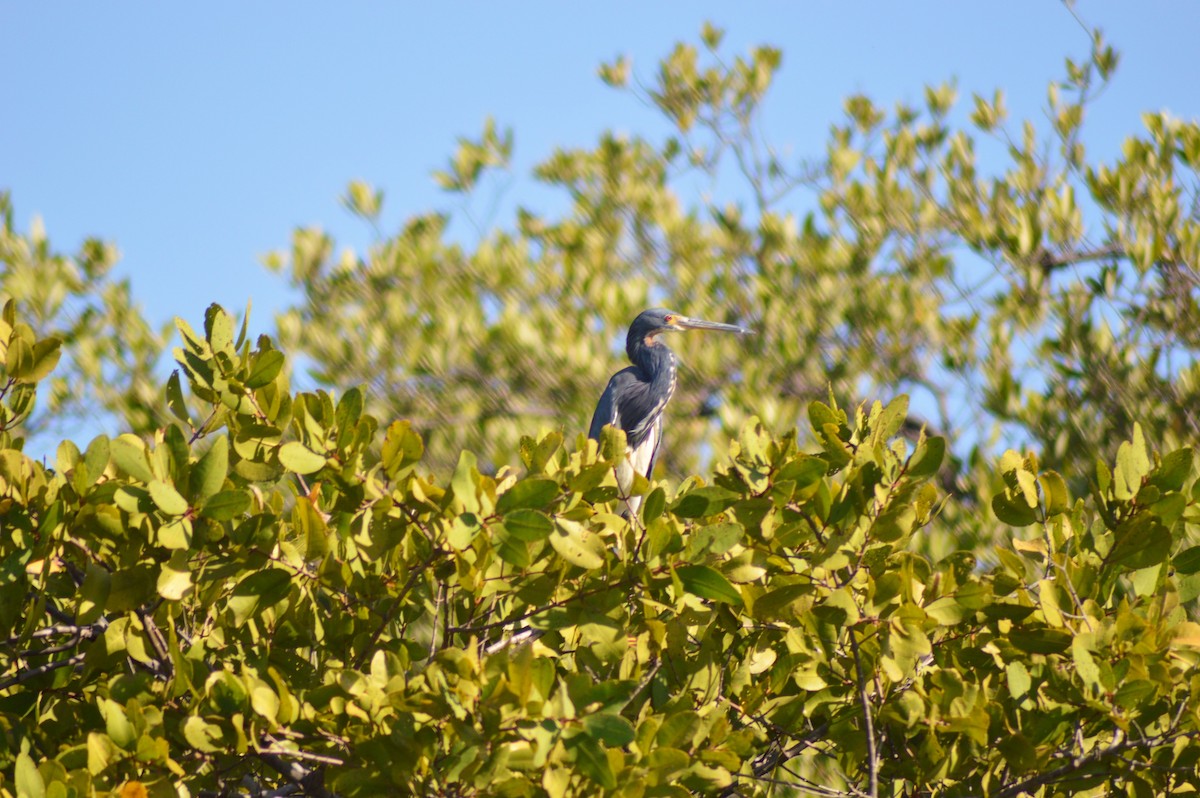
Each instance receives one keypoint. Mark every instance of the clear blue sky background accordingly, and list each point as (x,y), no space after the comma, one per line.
(197,136)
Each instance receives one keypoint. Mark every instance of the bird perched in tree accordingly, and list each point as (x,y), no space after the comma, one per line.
(636,396)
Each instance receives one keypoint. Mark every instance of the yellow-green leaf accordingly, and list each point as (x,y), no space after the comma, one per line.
(299,459)
(167,498)
(708,583)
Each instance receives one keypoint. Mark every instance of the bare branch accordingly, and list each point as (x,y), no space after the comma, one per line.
(1053,261)
(32,673)
(311,782)
(1097,755)
(868,723)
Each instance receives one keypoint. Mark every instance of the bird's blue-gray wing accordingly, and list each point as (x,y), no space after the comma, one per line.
(608,409)
(628,403)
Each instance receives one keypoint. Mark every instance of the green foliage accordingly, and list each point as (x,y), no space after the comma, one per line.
(73,305)
(1019,289)
(280,597)
(260,591)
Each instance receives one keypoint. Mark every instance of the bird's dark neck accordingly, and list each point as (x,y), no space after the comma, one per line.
(656,362)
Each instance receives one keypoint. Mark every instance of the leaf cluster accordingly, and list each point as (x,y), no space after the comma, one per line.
(282,598)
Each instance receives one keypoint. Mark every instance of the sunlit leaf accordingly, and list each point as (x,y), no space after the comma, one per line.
(706,582)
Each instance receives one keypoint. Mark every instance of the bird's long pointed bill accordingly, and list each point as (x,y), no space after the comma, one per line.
(700,324)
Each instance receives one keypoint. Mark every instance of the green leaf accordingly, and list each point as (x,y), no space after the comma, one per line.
(654,505)
(93,594)
(202,735)
(1134,693)
(946,611)
(258,591)
(209,474)
(1014,511)
(252,471)
(349,408)
(927,459)
(176,534)
(226,505)
(1040,640)
(1174,470)
(704,502)
(175,401)
(117,724)
(1133,464)
(532,492)
(1018,680)
(131,587)
(67,456)
(167,498)
(712,539)
(773,605)
(29,781)
(612,730)
(241,338)
(1187,561)
(190,339)
(46,353)
(402,447)
(463,482)
(592,761)
(577,545)
(528,525)
(100,752)
(805,471)
(95,459)
(312,529)
(19,358)
(129,455)
(264,368)
(512,551)
(891,418)
(708,583)
(299,459)
(1018,752)
(218,326)
(1085,664)
(263,700)
(1054,488)
(175,579)
(820,414)
(1140,543)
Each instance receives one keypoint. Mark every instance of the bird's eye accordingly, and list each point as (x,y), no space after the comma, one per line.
(669,319)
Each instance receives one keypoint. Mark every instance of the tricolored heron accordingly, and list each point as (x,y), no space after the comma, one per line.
(636,396)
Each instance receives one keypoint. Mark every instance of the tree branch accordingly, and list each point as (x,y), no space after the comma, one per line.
(868,724)
(311,782)
(1052,262)
(1082,761)
(31,673)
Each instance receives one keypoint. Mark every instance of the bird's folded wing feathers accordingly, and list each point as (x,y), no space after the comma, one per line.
(627,403)
(607,410)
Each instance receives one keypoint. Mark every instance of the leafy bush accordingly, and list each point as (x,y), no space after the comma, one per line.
(1020,287)
(276,598)
(110,350)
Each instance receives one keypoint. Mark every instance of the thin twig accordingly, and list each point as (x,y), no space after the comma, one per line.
(309,781)
(810,788)
(31,673)
(869,725)
(413,576)
(288,752)
(1077,763)
(483,627)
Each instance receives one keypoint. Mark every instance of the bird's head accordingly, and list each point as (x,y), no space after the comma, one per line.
(651,323)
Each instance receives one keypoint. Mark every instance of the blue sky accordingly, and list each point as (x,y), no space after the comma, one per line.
(197,136)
